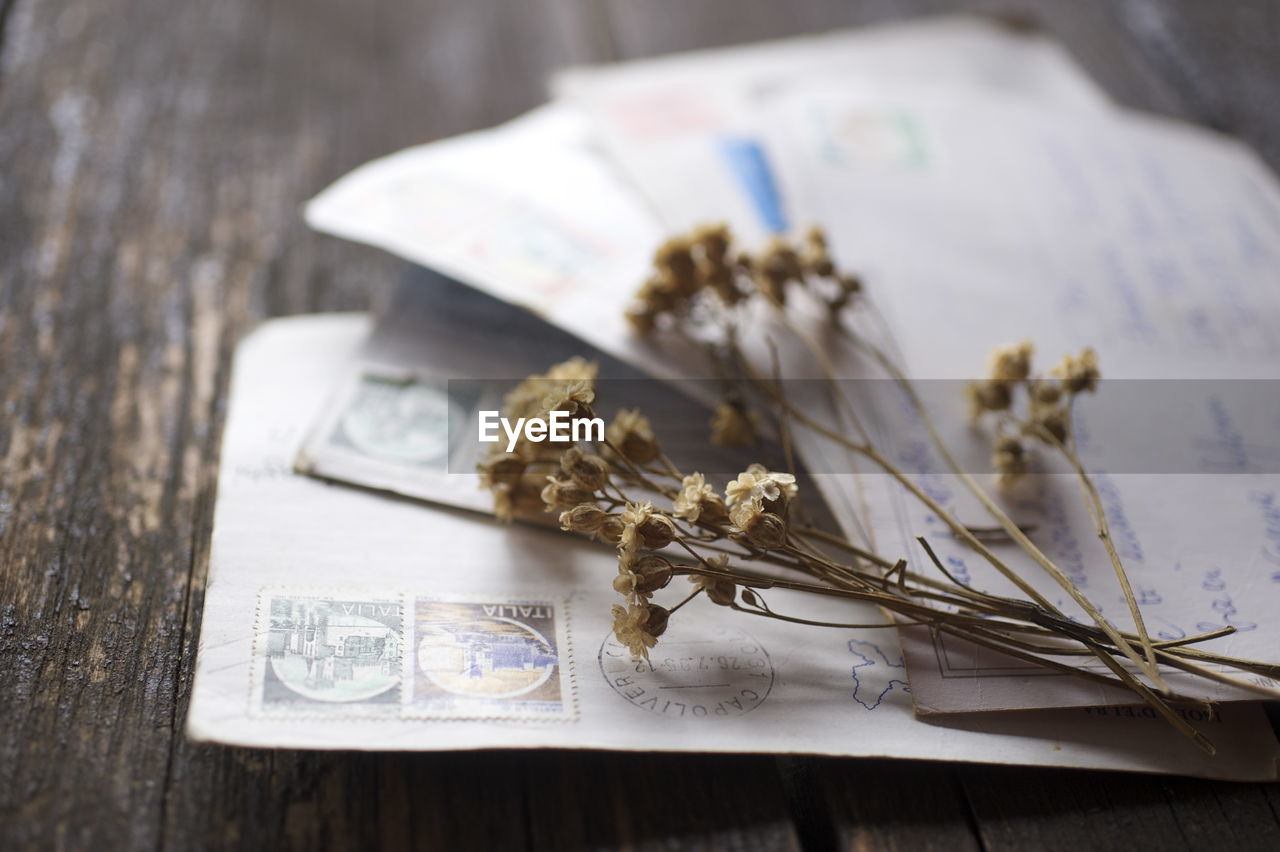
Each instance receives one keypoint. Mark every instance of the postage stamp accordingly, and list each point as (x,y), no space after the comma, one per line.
(328,655)
(398,418)
(697,671)
(491,658)
(397,430)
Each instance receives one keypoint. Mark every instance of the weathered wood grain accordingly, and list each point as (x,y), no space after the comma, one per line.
(153,156)
(878,804)
(1063,809)
(1213,63)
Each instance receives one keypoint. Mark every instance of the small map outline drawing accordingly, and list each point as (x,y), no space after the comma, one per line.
(858,685)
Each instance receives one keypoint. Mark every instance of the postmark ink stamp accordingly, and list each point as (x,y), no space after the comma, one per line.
(329,655)
(696,672)
(491,658)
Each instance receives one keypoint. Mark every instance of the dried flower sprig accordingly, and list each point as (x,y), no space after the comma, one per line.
(698,274)
(530,474)
(1025,406)
(734,544)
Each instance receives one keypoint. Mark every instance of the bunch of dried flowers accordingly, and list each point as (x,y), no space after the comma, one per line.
(735,543)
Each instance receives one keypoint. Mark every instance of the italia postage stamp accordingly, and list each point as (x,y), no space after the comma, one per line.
(321,655)
(697,672)
(491,658)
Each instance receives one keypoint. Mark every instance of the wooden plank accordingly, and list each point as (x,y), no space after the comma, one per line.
(154,156)
(1086,27)
(878,804)
(1222,59)
(1214,63)
(1062,809)
(656,801)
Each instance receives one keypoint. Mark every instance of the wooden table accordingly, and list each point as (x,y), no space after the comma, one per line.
(153,157)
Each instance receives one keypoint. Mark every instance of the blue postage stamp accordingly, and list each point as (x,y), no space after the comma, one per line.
(329,655)
(491,658)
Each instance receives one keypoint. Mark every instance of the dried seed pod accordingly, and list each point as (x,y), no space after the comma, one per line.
(564,494)
(766,530)
(585,518)
(653,573)
(610,531)
(503,469)
(656,622)
(719,590)
(588,472)
(632,435)
(656,531)
(731,426)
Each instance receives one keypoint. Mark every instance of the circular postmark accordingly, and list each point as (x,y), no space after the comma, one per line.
(697,671)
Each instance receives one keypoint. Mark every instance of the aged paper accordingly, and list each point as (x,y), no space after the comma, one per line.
(341,619)
(982,222)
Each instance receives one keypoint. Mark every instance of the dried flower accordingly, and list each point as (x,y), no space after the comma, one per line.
(1045,393)
(637,580)
(714,240)
(732,425)
(501,469)
(759,483)
(1079,373)
(1010,460)
(587,471)
(563,493)
(719,590)
(611,530)
(639,626)
(1011,362)
(1048,421)
(632,435)
(573,379)
(585,518)
(642,319)
(698,500)
(633,515)
(988,395)
(643,527)
(744,512)
(674,261)
(814,257)
(571,395)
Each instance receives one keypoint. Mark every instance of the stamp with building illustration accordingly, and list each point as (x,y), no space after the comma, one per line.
(491,658)
(329,655)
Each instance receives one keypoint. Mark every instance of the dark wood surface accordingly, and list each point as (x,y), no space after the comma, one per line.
(153,157)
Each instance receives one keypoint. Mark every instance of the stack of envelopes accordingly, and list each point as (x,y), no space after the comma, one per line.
(361,595)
